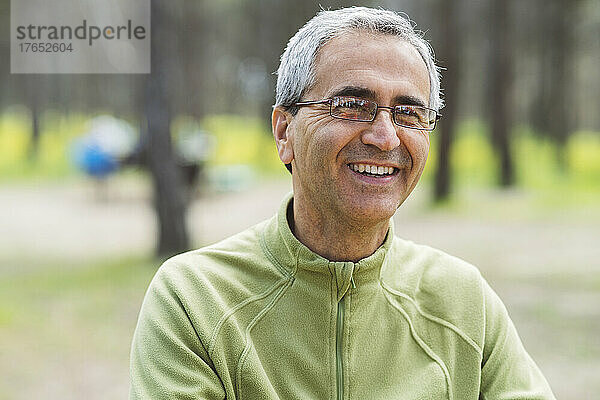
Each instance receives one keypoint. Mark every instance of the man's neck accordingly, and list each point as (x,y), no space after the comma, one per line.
(333,239)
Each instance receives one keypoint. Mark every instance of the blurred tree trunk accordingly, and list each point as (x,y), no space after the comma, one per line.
(448,53)
(270,36)
(196,70)
(34,144)
(552,116)
(500,75)
(541,99)
(169,197)
(561,39)
(267,29)
(33,88)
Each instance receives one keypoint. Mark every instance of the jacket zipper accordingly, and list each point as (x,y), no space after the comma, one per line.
(339,348)
(339,335)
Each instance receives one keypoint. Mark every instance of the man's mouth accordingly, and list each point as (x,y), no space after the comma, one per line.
(373,170)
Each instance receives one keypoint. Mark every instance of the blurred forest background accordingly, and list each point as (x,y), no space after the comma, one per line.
(103,175)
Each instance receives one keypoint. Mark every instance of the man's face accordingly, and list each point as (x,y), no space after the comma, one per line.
(326,150)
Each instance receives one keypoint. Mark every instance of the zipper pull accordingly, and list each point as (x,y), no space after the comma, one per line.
(352,281)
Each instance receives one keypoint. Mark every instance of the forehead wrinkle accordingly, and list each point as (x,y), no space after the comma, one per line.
(404,97)
(341,62)
(373,83)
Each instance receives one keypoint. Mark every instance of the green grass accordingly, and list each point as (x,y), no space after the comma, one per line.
(53,161)
(471,159)
(537,169)
(64,302)
(244,140)
(63,323)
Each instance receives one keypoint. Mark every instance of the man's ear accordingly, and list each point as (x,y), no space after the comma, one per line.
(280,121)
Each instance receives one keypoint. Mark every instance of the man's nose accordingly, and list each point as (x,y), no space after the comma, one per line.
(382,132)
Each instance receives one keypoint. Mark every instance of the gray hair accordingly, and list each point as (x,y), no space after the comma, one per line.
(296,71)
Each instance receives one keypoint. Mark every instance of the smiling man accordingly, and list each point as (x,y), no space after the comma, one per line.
(322,301)
(341,212)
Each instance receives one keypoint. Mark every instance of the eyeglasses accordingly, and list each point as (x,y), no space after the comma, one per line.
(361,110)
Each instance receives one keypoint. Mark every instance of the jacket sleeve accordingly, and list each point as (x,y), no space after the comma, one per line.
(508,372)
(168,359)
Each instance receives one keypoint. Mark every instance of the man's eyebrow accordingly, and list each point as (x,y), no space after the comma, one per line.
(355,91)
(366,93)
(409,101)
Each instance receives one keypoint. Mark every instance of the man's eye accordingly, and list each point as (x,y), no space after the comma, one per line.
(354,104)
(407,111)
(414,113)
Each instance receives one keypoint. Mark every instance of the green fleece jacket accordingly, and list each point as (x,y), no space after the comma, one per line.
(260,316)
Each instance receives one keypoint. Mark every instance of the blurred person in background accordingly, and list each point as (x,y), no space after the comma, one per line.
(322,300)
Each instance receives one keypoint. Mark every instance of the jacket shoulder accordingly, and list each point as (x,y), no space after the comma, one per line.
(238,262)
(210,282)
(442,287)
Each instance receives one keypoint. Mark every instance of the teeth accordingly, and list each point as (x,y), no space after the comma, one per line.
(372,169)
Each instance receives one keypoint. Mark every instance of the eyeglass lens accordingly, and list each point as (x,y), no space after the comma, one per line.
(356,109)
(353,108)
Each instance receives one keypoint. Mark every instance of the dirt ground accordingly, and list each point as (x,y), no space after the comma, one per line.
(543,262)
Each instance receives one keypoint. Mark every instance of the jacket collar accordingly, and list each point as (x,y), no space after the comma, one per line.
(290,255)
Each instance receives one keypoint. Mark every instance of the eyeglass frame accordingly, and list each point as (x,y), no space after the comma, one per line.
(377,107)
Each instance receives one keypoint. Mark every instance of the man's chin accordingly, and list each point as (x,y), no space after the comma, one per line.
(374,213)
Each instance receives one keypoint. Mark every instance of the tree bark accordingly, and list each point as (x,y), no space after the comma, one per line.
(34,144)
(560,97)
(448,54)
(169,197)
(552,116)
(34,88)
(501,77)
